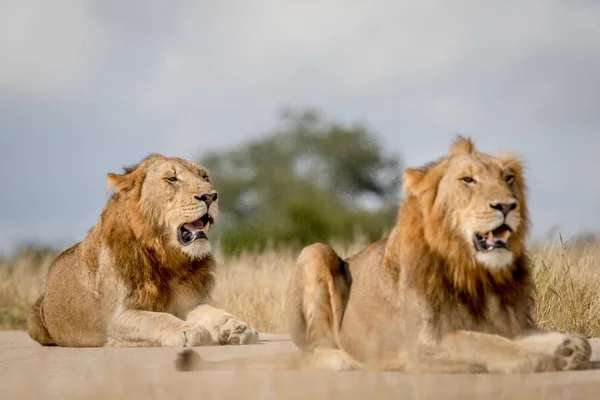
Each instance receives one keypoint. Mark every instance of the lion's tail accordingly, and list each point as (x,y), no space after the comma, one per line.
(190,360)
(35,324)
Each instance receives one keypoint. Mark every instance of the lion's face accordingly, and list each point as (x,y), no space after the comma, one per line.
(480,194)
(480,200)
(177,199)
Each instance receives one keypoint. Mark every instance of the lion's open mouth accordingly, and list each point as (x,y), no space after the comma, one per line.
(496,239)
(192,231)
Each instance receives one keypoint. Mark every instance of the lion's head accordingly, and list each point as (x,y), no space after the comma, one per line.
(472,204)
(171,199)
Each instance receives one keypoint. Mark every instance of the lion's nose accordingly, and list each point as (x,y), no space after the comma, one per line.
(208,198)
(504,208)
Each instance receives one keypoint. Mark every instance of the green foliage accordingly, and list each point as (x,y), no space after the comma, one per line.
(308,181)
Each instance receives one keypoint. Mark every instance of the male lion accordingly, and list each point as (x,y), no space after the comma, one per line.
(450,290)
(144,273)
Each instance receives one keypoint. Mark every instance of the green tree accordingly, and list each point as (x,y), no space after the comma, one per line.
(311,180)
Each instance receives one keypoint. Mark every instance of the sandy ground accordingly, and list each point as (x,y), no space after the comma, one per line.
(29,371)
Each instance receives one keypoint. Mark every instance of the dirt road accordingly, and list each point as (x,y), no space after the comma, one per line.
(29,371)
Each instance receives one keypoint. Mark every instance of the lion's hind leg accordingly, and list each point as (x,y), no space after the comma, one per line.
(35,324)
(317,296)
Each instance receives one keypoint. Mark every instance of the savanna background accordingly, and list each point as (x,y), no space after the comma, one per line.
(305,113)
(315,180)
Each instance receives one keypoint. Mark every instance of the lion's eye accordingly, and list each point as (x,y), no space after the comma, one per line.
(172,179)
(509,179)
(467,179)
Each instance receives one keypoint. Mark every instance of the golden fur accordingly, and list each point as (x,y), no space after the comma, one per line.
(450,290)
(132,281)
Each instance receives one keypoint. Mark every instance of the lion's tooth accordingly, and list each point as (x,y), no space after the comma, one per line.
(490,236)
(206,227)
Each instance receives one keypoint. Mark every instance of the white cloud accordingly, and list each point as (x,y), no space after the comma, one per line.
(433,59)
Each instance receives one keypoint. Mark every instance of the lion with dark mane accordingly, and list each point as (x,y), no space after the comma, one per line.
(450,290)
(144,273)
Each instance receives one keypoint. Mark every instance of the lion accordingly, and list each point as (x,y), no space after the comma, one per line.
(449,290)
(144,273)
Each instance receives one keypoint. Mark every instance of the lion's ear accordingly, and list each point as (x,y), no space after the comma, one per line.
(412,179)
(123,182)
(462,145)
(512,161)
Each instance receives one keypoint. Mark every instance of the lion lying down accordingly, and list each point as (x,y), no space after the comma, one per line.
(144,273)
(449,290)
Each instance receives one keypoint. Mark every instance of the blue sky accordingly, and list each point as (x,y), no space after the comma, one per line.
(87,87)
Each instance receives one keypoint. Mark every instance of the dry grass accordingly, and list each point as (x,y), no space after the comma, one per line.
(253,286)
(22,279)
(568,287)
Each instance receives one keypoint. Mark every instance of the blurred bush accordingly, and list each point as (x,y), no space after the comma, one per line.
(310,180)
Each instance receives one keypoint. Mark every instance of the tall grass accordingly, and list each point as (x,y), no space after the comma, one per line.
(22,279)
(568,287)
(253,286)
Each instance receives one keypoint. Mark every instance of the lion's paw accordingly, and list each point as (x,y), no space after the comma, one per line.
(573,353)
(236,332)
(190,336)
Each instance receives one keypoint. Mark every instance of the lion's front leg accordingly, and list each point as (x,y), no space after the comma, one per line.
(497,353)
(572,351)
(148,328)
(223,327)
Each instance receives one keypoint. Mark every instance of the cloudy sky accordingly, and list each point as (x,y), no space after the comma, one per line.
(88,86)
